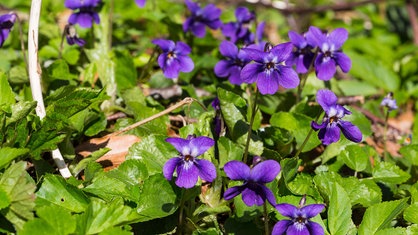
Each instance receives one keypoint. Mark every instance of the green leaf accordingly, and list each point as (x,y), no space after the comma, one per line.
(7,97)
(228,151)
(389,173)
(9,154)
(59,70)
(411,213)
(339,211)
(379,216)
(101,215)
(125,72)
(20,188)
(4,199)
(151,206)
(410,153)
(55,190)
(299,125)
(303,184)
(355,157)
(233,109)
(289,170)
(153,151)
(20,111)
(392,231)
(115,231)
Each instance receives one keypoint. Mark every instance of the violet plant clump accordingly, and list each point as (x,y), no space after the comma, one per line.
(186,164)
(6,24)
(269,70)
(299,216)
(201,17)
(239,31)
(253,189)
(303,55)
(174,58)
(86,12)
(332,123)
(329,54)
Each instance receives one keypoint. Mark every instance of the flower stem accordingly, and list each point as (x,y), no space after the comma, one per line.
(306,139)
(181,210)
(35,77)
(250,128)
(22,42)
(385,130)
(266,220)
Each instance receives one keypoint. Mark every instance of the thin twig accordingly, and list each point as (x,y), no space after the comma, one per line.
(35,77)
(185,101)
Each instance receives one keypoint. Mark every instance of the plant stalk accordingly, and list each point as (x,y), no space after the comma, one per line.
(35,72)
(266,220)
(385,130)
(250,128)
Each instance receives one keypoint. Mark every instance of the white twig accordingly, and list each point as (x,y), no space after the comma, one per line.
(35,77)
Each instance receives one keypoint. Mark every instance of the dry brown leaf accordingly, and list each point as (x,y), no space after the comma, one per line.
(119,146)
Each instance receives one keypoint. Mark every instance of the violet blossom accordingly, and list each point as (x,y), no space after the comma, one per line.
(299,222)
(330,54)
(303,55)
(86,14)
(140,3)
(332,123)
(253,190)
(232,65)
(72,37)
(201,17)
(389,102)
(269,70)
(187,165)
(6,23)
(238,31)
(174,58)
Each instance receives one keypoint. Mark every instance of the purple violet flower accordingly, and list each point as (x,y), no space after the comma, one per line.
(72,37)
(235,61)
(187,166)
(299,222)
(6,23)
(201,17)
(238,31)
(269,70)
(254,191)
(174,58)
(330,54)
(389,102)
(86,14)
(332,123)
(218,122)
(140,3)
(303,56)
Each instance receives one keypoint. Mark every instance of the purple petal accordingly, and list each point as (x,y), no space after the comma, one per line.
(140,3)
(280,227)
(96,17)
(315,37)
(298,40)
(7,20)
(186,64)
(170,166)
(255,54)
(243,15)
(259,31)
(171,68)
(298,229)
(84,19)
(3,36)
(288,77)
(268,83)
(198,29)
(269,195)
(222,68)
(215,24)
(338,37)
(229,31)
(237,170)
(165,45)
(207,170)
(228,49)
(326,99)
(350,131)
(287,210)
(317,126)
(232,192)
(324,67)
(200,145)
(312,210)
(235,75)
(193,7)
(329,135)
(301,67)
(250,72)
(282,51)
(181,145)
(187,174)
(251,197)
(315,228)
(343,61)
(211,13)
(182,48)
(265,171)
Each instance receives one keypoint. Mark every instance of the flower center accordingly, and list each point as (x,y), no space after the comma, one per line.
(171,55)
(188,158)
(333,119)
(270,65)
